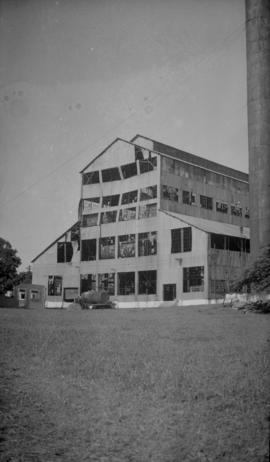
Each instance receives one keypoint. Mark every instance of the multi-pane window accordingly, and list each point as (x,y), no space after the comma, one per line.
(147,211)
(89,250)
(147,244)
(90,220)
(64,252)
(129,170)
(181,240)
(127,214)
(88,282)
(193,279)
(221,207)
(108,217)
(232,243)
(148,193)
(90,177)
(147,165)
(106,247)
(90,204)
(130,197)
(170,193)
(188,197)
(110,201)
(236,210)
(55,285)
(110,174)
(147,282)
(206,202)
(126,283)
(106,281)
(126,246)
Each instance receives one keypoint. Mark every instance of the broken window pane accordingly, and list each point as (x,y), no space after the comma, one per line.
(88,282)
(106,247)
(110,201)
(188,198)
(193,279)
(127,214)
(236,210)
(170,193)
(108,217)
(90,177)
(147,282)
(54,285)
(106,281)
(126,283)
(246,212)
(130,197)
(90,220)
(126,246)
(149,164)
(110,174)
(129,170)
(147,244)
(64,252)
(222,207)
(148,193)
(206,202)
(90,204)
(147,211)
(138,153)
(89,249)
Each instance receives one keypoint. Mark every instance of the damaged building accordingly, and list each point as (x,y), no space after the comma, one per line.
(156,226)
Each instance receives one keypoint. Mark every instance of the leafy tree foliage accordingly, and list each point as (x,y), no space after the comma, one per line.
(258,274)
(9,263)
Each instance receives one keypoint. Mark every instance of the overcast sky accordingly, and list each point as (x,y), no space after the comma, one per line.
(76,74)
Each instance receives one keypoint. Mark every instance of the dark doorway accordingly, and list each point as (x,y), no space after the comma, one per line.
(169,292)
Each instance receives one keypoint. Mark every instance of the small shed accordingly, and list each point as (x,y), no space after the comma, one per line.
(30,296)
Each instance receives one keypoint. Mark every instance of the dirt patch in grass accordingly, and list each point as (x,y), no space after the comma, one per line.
(163,385)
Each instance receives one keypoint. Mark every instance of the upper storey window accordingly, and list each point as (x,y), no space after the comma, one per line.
(148,193)
(90,177)
(129,170)
(146,161)
(130,197)
(169,192)
(110,174)
(206,202)
(236,210)
(222,207)
(110,201)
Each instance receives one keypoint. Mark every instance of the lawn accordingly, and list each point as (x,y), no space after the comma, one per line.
(163,385)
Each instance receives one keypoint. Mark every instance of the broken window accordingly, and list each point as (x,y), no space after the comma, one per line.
(147,244)
(108,217)
(188,198)
(138,153)
(127,214)
(170,193)
(110,174)
(222,207)
(129,170)
(106,281)
(147,282)
(34,294)
(75,234)
(88,282)
(126,246)
(64,252)
(193,279)
(236,210)
(55,285)
(148,193)
(181,240)
(90,220)
(130,197)
(147,211)
(90,204)
(126,283)
(70,294)
(89,250)
(147,165)
(206,202)
(110,201)
(246,212)
(106,247)
(90,177)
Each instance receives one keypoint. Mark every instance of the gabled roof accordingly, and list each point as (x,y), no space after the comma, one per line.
(54,242)
(100,154)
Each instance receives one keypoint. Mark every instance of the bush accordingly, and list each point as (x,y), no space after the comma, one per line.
(257,275)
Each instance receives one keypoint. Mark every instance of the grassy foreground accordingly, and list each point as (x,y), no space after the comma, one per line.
(162,385)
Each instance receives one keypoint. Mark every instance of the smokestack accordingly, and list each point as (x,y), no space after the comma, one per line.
(258,92)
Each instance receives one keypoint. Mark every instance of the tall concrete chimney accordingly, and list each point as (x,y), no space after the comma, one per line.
(258,92)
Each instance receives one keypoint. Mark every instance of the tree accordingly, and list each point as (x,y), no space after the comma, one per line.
(9,263)
(257,275)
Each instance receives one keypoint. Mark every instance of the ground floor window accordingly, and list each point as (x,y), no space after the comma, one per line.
(106,281)
(55,285)
(70,294)
(126,283)
(193,279)
(88,282)
(169,292)
(147,282)
(34,294)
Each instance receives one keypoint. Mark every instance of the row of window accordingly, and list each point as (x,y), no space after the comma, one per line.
(129,170)
(126,214)
(147,282)
(189,198)
(232,243)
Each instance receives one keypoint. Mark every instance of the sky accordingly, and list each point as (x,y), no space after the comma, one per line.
(76,74)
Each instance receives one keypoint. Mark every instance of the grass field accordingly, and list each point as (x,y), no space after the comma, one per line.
(162,385)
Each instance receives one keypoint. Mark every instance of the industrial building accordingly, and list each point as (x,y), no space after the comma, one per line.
(156,226)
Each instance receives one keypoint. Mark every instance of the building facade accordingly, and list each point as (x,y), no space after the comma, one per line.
(156,226)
